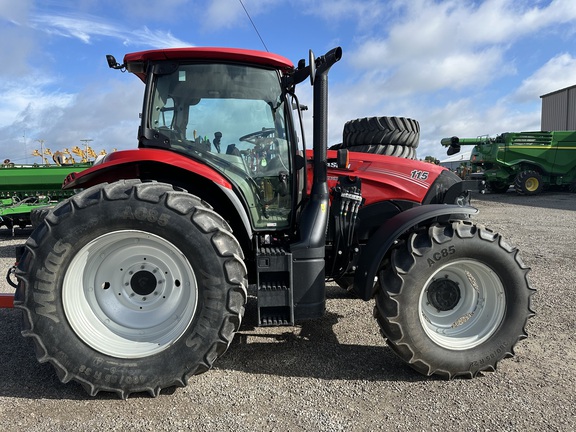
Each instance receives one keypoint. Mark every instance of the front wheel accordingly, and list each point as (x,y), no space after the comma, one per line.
(131,287)
(453,300)
(528,182)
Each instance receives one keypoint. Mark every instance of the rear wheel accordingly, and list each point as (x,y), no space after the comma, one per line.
(528,182)
(454,300)
(392,136)
(132,287)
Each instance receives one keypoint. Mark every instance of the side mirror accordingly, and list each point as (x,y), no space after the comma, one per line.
(112,63)
(312,63)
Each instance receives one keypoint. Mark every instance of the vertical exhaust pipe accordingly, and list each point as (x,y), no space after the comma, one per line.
(315,216)
(308,264)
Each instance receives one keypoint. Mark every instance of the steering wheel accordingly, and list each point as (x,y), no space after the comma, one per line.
(254,137)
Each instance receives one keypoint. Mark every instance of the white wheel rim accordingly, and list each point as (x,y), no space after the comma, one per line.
(129,294)
(474,313)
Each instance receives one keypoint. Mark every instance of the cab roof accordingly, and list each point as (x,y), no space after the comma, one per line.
(205,53)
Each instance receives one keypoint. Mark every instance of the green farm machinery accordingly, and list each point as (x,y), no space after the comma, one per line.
(530,161)
(24,188)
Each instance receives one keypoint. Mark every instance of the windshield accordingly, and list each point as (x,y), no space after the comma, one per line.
(233,117)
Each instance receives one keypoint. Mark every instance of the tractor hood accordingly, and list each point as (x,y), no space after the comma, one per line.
(391,178)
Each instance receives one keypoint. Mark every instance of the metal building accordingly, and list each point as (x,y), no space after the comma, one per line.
(559,110)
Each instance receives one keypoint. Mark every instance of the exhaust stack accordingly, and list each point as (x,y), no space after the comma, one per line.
(309,269)
(315,215)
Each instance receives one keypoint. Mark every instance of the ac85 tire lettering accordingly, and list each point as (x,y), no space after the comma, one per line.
(443,253)
(144,214)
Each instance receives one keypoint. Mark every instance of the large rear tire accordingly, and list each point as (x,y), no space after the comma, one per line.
(392,136)
(131,287)
(453,300)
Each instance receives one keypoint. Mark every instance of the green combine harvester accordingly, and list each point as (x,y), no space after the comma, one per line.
(24,188)
(530,161)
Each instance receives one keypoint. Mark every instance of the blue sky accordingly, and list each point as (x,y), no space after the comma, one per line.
(459,67)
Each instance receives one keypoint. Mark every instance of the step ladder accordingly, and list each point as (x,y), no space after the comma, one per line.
(274,282)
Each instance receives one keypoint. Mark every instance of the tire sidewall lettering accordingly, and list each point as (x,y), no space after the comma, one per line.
(44,288)
(494,355)
(145,214)
(440,255)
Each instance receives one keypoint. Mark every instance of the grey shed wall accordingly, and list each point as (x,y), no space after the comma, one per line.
(559,110)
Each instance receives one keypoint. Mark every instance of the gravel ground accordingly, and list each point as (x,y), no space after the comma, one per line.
(336,373)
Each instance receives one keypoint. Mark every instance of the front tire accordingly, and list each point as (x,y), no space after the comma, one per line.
(453,300)
(131,287)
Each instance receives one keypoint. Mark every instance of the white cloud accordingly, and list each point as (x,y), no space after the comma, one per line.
(35,102)
(462,118)
(456,71)
(454,44)
(439,61)
(559,72)
(27,95)
(155,39)
(86,27)
(14,11)
(106,112)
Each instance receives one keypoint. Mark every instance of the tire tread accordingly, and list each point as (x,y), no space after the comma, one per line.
(391,285)
(224,244)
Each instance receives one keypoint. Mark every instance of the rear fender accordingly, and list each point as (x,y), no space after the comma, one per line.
(381,241)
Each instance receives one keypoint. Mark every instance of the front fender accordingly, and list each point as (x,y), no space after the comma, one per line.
(381,241)
(126,164)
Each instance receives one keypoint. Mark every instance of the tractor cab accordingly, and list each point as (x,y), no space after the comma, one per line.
(233,117)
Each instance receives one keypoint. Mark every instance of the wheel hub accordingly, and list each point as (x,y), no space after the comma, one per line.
(443,294)
(462,305)
(143,283)
(532,184)
(138,293)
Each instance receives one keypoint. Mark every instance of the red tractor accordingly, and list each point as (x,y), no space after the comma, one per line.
(140,280)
